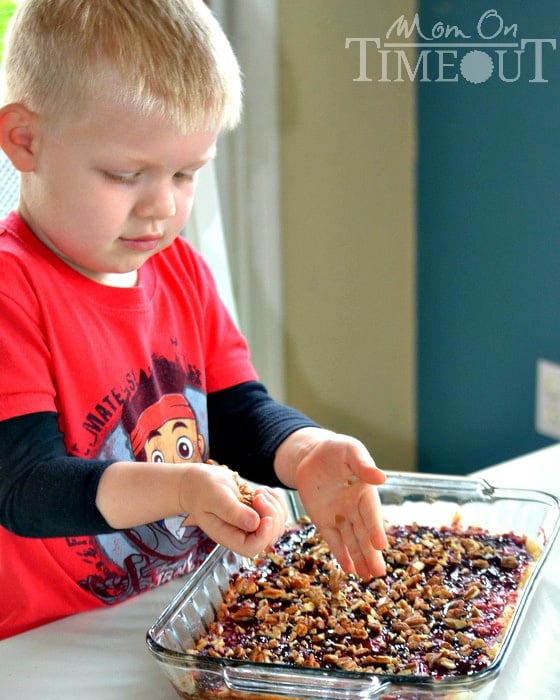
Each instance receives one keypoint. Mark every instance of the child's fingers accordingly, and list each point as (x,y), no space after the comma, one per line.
(250,544)
(336,539)
(365,468)
(270,505)
(236,514)
(271,501)
(371,515)
(368,560)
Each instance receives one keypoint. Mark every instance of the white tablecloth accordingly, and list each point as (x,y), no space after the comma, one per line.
(102,655)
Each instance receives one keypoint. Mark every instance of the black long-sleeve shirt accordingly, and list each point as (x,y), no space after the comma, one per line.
(44,492)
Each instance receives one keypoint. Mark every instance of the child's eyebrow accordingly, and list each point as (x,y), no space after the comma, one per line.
(203,161)
(199,164)
(140,162)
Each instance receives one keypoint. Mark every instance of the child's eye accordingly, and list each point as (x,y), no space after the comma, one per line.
(122,177)
(184,176)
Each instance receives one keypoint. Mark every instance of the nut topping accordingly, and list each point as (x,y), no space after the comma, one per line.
(438,611)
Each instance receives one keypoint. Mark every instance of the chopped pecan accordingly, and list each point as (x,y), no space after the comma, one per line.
(296,606)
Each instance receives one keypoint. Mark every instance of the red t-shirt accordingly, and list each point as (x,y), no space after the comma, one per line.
(119,367)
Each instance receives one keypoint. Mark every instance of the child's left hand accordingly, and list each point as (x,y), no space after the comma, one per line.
(336,479)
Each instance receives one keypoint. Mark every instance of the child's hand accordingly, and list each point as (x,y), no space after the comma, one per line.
(336,478)
(214,505)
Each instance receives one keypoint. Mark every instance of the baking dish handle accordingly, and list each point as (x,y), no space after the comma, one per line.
(296,684)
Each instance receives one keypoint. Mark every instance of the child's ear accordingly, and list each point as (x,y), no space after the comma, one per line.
(200,444)
(17,134)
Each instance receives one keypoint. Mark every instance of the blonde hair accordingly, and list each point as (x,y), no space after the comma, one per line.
(164,57)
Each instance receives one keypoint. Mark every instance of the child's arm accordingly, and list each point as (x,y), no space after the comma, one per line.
(132,493)
(334,474)
(44,492)
(336,479)
(246,426)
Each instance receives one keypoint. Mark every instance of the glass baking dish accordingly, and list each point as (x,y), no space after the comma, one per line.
(406,498)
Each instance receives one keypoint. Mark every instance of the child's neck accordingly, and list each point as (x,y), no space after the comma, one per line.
(125,279)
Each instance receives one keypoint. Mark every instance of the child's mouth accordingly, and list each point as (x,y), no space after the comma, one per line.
(142,243)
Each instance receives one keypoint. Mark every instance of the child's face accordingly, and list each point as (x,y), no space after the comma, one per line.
(112,189)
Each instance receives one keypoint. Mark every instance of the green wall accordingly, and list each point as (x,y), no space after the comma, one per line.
(488,276)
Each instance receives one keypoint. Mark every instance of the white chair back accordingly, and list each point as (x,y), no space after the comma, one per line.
(9,185)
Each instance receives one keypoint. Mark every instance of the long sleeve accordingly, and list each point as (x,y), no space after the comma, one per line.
(246,426)
(43,491)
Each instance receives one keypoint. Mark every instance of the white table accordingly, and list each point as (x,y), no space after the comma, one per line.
(102,655)
(532,670)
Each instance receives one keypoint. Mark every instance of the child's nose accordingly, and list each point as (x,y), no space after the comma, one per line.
(157,203)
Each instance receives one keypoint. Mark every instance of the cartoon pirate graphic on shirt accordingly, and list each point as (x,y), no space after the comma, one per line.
(175,440)
(162,422)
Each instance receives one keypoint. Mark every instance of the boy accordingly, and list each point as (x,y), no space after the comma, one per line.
(122,373)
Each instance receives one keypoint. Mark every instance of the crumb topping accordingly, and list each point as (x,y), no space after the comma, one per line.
(441,609)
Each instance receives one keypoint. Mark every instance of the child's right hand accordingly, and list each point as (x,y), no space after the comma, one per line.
(211,498)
